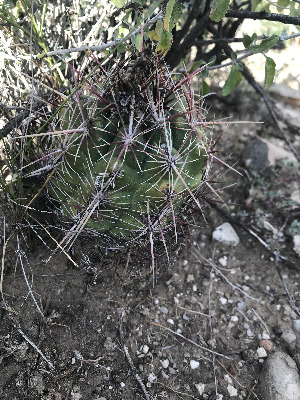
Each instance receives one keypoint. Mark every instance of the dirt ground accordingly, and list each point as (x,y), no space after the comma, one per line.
(105,330)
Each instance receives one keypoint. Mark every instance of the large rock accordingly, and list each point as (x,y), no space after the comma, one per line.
(279,379)
(261,153)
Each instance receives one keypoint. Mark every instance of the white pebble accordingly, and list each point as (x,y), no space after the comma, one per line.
(165,363)
(234,318)
(265,336)
(171,321)
(261,352)
(156,301)
(164,310)
(145,349)
(226,235)
(232,391)
(195,288)
(200,387)
(223,261)
(223,300)
(152,377)
(122,384)
(194,364)
(227,378)
(250,333)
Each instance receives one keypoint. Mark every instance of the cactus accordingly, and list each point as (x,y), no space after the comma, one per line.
(127,151)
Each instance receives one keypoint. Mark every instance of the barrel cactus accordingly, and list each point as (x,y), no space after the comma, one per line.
(126,152)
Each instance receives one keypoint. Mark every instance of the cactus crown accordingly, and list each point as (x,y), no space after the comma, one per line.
(127,151)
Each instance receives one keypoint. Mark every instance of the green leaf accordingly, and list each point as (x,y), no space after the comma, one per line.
(283,3)
(270,69)
(165,41)
(218,9)
(168,14)
(119,3)
(177,12)
(264,45)
(196,65)
(234,78)
(233,56)
(247,40)
(204,88)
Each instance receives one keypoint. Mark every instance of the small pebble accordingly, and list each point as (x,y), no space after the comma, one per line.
(267,344)
(223,261)
(145,349)
(261,352)
(122,384)
(234,318)
(288,337)
(223,300)
(164,310)
(165,363)
(200,387)
(194,364)
(265,335)
(232,391)
(152,377)
(250,333)
(171,321)
(156,301)
(190,278)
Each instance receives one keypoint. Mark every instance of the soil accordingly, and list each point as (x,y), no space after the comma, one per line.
(104,329)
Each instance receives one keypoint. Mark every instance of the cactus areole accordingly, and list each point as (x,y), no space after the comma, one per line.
(129,151)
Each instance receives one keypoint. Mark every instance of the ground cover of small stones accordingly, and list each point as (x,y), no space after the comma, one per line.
(206,329)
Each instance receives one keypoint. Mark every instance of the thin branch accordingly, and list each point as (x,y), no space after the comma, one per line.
(63,52)
(263,15)
(129,359)
(37,349)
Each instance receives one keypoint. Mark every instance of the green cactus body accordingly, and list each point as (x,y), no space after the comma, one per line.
(126,171)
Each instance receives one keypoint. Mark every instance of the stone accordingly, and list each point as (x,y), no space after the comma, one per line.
(288,337)
(261,153)
(200,387)
(286,93)
(296,240)
(267,345)
(261,352)
(226,235)
(279,379)
(165,363)
(194,364)
(232,391)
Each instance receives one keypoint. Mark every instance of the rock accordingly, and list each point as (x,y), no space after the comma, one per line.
(165,363)
(255,155)
(232,391)
(194,364)
(279,379)
(296,240)
(223,261)
(226,235)
(261,153)
(267,345)
(163,310)
(200,387)
(287,94)
(289,337)
(297,330)
(261,352)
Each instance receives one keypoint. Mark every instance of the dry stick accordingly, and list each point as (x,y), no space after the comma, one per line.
(290,297)
(105,45)
(266,246)
(190,341)
(37,349)
(26,280)
(129,359)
